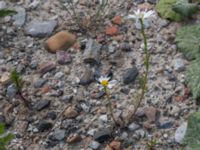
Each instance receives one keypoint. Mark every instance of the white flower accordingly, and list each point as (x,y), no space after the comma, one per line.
(106,83)
(141,14)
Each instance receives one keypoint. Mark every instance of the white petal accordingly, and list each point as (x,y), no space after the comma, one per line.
(112,83)
(103,78)
(131,16)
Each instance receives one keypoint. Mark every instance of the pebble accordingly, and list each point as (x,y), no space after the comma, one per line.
(60,41)
(40,28)
(39,83)
(43,126)
(59,75)
(11,91)
(103,118)
(102,135)
(94,144)
(5,78)
(130,75)
(70,113)
(58,135)
(2,5)
(152,1)
(20,17)
(180,133)
(133,126)
(63,57)
(46,67)
(40,105)
(87,77)
(151,113)
(116,145)
(179,64)
(126,47)
(52,115)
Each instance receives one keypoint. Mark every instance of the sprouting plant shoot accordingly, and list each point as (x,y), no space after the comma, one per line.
(17,81)
(151,144)
(5,138)
(6,12)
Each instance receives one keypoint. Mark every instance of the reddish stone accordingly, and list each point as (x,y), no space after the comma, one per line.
(111,30)
(117,20)
(115,145)
(178,98)
(45,89)
(151,113)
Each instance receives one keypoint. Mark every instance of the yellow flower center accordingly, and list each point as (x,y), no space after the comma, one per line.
(104,83)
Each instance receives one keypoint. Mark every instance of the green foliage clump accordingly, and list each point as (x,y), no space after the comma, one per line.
(193,78)
(5,138)
(188,41)
(184,8)
(16,79)
(6,12)
(192,136)
(164,8)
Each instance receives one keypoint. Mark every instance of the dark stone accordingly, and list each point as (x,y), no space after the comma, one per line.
(41,105)
(44,126)
(126,47)
(130,75)
(63,57)
(99,95)
(52,115)
(2,119)
(152,1)
(166,125)
(11,91)
(102,135)
(39,83)
(87,77)
(139,1)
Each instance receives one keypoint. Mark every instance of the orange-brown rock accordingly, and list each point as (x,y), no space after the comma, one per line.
(115,145)
(117,20)
(60,41)
(111,30)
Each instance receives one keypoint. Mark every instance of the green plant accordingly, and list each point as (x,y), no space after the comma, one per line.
(164,9)
(86,18)
(5,138)
(151,144)
(192,136)
(193,79)
(184,8)
(16,79)
(6,12)
(188,41)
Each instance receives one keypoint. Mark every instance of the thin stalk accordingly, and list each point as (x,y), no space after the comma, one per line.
(146,63)
(110,108)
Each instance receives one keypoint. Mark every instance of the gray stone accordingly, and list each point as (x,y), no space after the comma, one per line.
(2,5)
(59,75)
(43,126)
(179,64)
(180,133)
(41,105)
(58,135)
(87,77)
(133,126)
(92,52)
(46,67)
(139,1)
(103,118)
(152,1)
(126,47)
(130,75)
(39,83)
(34,4)
(63,57)
(102,135)
(11,91)
(94,144)
(40,28)
(20,17)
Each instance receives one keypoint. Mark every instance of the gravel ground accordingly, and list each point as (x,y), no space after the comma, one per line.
(65,81)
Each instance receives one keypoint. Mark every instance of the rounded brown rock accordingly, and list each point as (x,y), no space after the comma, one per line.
(60,41)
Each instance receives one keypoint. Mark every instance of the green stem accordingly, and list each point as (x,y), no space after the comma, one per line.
(109,106)
(146,63)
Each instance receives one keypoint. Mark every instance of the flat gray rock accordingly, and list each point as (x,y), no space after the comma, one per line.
(40,28)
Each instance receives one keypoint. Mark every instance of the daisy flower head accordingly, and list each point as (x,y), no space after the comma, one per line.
(106,82)
(142,14)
